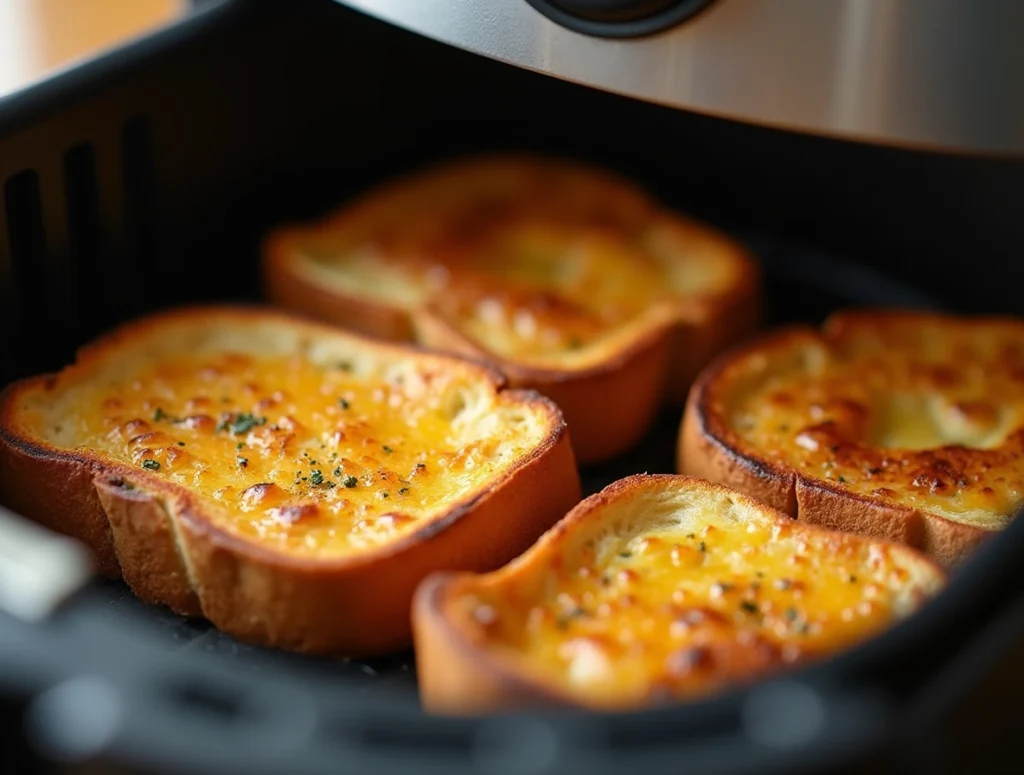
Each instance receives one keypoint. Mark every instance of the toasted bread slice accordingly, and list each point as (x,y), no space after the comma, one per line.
(287,481)
(904,425)
(659,588)
(572,280)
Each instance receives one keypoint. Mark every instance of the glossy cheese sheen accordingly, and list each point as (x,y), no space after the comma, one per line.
(535,268)
(674,614)
(933,420)
(312,459)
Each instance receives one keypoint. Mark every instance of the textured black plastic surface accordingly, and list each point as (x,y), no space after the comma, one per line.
(147,179)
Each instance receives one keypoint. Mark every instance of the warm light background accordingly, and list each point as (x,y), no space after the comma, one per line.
(38,37)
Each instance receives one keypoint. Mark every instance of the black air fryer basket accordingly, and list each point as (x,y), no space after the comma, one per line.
(145,179)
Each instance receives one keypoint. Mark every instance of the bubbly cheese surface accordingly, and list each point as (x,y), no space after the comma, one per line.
(931,418)
(536,271)
(674,613)
(310,458)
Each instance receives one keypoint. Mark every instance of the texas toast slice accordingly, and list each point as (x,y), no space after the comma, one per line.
(905,425)
(289,482)
(571,279)
(658,589)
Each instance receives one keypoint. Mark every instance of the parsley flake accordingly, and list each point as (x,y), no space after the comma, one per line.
(150,464)
(242,423)
(343,403)
(316,477)
(403,491)
(242,461)
(350,481)
(749,606)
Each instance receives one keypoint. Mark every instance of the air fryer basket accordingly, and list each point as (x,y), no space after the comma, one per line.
(146,178)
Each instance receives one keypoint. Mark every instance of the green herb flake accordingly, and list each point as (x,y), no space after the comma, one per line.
(150,464)
(242,423)
(842,479)
(702,547)
(160,414)
(749,606)
(337,471)
(343,403)
(852,579)
(387,450)
(568,616)
(350,481)
(316,477)
(791,614)
(384,494)
(242,461)
(239,445)
(181,443)
(403,491)
(625,555)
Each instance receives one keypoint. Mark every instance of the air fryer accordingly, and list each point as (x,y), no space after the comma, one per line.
(869,152)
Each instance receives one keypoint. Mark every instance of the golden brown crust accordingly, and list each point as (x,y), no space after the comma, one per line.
(460,673)
(610,400)
(710,448)
(160,538)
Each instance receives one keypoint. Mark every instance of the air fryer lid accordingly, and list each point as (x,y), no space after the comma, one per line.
(929,73)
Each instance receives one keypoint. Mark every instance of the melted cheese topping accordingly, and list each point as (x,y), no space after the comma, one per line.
(312,459)
(677,613)
(536,272)
(933,420)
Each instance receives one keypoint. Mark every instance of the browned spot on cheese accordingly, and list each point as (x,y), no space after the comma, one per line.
(929,418)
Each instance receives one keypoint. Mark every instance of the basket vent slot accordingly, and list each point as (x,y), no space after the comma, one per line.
(26,238)
(139,178)
(26,242)
(81,201)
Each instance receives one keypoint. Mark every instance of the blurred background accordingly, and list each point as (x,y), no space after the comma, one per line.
(39,37)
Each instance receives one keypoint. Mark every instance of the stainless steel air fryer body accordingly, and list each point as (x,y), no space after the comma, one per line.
(942,74)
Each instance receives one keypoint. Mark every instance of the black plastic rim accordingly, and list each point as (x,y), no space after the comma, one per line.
(680,12)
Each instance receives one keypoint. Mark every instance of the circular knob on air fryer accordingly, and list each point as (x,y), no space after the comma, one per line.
(613,10)
(619,18)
